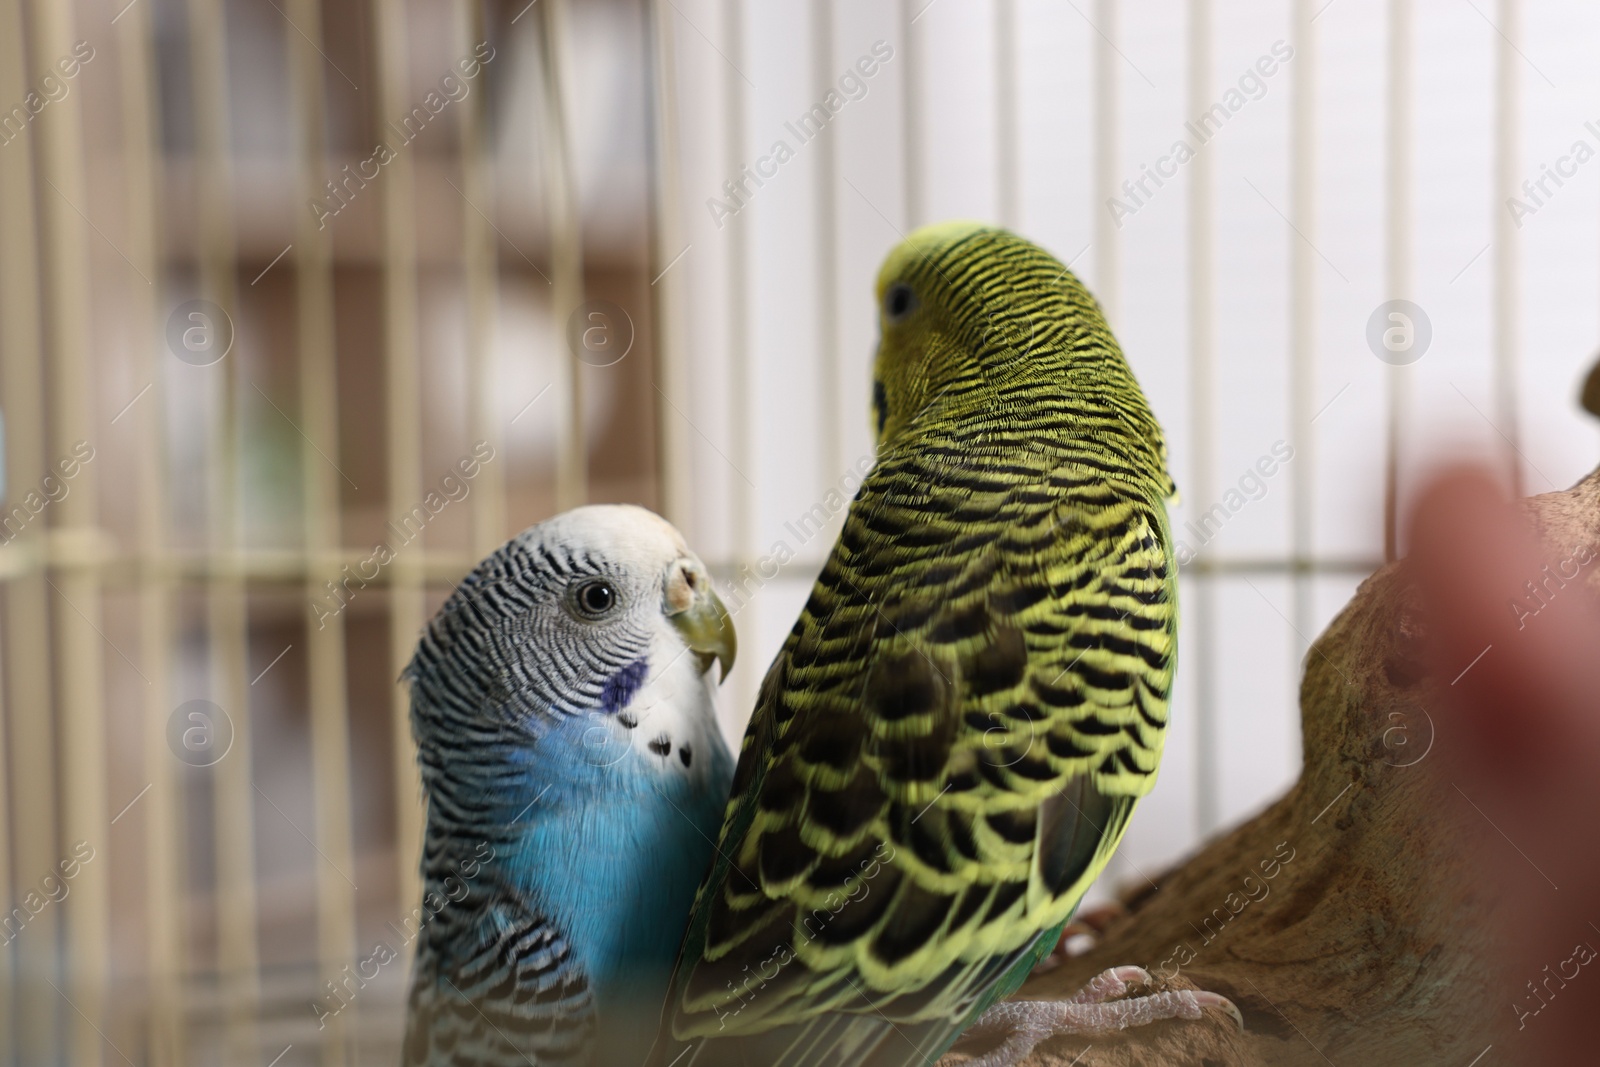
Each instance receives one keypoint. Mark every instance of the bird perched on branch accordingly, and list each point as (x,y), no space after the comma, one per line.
(949,745)
(575,778)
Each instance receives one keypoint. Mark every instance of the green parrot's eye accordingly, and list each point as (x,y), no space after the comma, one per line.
(899,302)
(594,599)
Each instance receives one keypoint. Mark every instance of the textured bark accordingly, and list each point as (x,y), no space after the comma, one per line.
(1376,943)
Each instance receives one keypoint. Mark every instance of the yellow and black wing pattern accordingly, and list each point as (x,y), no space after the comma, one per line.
(942,758)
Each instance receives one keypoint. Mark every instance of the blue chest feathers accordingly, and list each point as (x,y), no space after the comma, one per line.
(613,852)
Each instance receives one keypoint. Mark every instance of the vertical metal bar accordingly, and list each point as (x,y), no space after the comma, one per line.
(8,712)
(1397,245)
(478,264)
(164,817)
(827,251)
(738,297)
(1202,488)
(8,974)
(32,954)
(566,248)
(1303,309)
(1107,262)
(320,480)
(1007,140)
(672,371)
(64,238)
(1507,249)
(403,430)
(910,115)
(227,622)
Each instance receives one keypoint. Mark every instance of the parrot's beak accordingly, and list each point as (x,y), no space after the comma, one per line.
(698,614)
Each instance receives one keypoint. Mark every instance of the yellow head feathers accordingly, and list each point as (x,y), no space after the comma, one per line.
(976,322)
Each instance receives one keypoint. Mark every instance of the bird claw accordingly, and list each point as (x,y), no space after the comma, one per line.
(1110,984)
(1217,1000)
(1098,1008)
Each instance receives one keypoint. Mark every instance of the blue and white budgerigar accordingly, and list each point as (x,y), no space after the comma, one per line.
(575,780)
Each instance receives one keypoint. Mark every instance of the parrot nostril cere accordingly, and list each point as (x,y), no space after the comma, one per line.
(680,589)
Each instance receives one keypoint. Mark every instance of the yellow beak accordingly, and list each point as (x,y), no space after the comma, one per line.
(696,612)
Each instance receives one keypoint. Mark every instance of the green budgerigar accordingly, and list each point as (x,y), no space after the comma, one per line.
(946,751)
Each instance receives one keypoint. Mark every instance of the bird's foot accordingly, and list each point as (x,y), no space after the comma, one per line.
(1080,935)
(1094,1009)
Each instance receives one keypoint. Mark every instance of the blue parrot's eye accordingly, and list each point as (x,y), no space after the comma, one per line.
(899,301)
(594,599)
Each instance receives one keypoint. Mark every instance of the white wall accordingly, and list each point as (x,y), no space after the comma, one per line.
(776,467)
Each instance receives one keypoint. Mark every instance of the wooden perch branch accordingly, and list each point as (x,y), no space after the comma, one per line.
(1371,941)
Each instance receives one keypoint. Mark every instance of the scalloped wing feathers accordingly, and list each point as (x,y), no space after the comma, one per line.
(948,747)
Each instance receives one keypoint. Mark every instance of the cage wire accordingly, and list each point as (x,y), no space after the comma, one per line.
(304,308)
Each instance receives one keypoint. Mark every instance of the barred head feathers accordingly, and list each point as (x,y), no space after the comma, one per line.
(978,325)
(569,618)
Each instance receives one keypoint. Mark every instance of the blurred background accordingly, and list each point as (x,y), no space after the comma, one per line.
(275,274)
